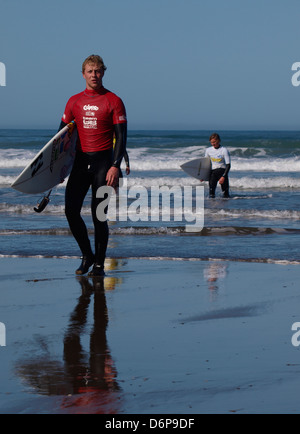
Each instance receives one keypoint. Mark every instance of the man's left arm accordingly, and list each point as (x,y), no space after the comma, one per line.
(112,177)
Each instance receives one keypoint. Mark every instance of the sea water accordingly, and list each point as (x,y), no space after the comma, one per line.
(260,221)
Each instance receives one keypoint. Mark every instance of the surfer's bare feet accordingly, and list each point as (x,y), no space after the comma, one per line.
(87,262)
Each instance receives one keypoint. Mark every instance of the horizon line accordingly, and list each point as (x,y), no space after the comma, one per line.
(171,129)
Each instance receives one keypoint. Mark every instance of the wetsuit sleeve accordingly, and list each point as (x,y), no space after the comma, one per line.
(126,158)
(228,167)
(227,157)
(62,125)
(120,146)
(227,162)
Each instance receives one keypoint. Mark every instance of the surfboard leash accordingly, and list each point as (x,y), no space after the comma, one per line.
(43,203)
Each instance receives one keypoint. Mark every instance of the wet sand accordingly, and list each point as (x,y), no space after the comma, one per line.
(155,337)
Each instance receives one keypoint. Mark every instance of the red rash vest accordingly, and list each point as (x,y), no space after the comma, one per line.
(95,114)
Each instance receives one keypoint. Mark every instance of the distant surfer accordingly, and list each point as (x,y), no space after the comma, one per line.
(100,116)
(221,164)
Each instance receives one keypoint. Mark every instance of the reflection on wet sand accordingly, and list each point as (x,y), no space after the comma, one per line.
(214,274)
(86,379)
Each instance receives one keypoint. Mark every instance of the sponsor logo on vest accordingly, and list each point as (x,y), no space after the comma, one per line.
(90,107)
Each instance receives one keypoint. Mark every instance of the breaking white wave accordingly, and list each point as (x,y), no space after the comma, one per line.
(6,180)
(265,165)
(254,214)
(152,212)
(268,183)
(143,159)
(276,165)
(243,183)
(18,158)
(160,231)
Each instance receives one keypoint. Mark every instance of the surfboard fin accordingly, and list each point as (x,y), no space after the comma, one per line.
(43,203)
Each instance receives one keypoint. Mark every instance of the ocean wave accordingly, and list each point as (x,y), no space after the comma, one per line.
(158,212)
(240,183)
(18,158)
(160,159)
(161,231)
(35,232)
(173,163)
(268,183)
(28,209)
(277,165)
(14,163)
(206,231)
(6,180)
(254,214)
(243,183)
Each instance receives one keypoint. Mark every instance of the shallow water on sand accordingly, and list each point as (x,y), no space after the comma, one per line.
(220,341)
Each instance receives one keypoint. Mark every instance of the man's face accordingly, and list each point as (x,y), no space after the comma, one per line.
(93,75)
(215,143)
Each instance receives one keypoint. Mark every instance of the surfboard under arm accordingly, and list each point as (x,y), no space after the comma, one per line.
(51,165)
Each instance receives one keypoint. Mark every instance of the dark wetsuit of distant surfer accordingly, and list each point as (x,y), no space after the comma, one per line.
(100,116)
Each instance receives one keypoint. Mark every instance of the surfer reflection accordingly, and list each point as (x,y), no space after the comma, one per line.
(93,375)
(87,379)
(213,274)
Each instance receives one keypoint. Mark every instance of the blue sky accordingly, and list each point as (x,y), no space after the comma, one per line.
(177,64)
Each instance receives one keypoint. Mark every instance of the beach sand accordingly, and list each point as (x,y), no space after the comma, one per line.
(155,337)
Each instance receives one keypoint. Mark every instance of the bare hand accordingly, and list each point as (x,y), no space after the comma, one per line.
(112,177)
(222,180)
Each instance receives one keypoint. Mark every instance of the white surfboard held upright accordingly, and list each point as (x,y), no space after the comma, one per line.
(52,165)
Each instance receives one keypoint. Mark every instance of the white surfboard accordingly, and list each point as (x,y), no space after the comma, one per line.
(199,168)
(52,165)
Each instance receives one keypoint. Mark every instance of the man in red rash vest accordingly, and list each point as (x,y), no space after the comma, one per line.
(100,116)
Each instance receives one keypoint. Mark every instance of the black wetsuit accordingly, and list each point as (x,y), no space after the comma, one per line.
(215,177)
(90,170)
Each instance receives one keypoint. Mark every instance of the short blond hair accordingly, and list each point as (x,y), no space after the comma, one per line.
(215,136)
(95,59)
